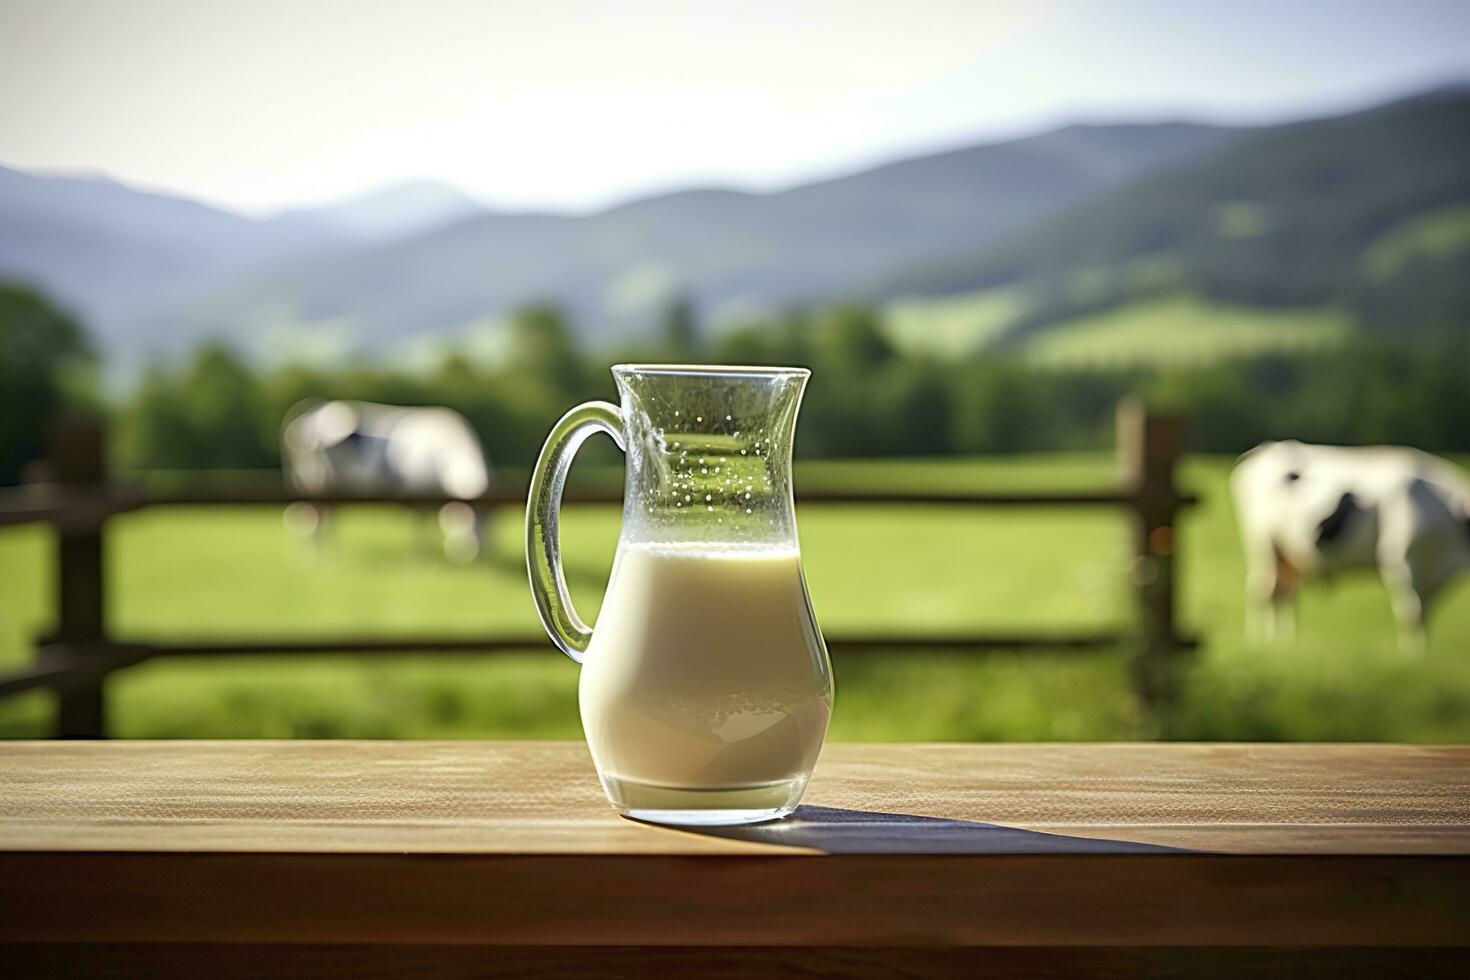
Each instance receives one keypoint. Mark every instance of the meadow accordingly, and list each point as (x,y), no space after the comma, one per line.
(202,572)
(1141,333)
(1146,333)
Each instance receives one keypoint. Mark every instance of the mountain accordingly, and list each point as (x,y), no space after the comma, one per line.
(116,255)
(732,253)
(1369,212)
(393,212)
(102,247)
(418,261)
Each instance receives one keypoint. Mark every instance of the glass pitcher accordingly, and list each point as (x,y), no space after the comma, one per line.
(705,688)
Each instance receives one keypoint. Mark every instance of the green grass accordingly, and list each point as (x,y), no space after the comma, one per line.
(1171,329)
(202,573)
(952,326)
(1438,235)
(1180,329)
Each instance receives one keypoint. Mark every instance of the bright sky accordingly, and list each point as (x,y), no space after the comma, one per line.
(268,103)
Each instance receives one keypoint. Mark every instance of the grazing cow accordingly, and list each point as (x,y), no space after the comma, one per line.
(1316,510)
(362,447)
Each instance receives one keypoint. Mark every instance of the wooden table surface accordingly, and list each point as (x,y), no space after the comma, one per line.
(404,847)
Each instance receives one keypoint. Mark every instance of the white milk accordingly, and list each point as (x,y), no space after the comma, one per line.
(706,672)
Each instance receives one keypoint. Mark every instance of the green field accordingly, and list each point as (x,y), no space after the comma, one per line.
(201,572)
(1181,330)
(1438,235)
(953,326)
(1167,330)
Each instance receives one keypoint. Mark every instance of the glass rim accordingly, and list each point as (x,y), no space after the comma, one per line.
(697,370)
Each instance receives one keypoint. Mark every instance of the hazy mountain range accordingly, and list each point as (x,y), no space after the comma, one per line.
(1367,212)
(1081,216)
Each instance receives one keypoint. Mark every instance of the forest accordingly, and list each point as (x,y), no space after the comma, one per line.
(868,397)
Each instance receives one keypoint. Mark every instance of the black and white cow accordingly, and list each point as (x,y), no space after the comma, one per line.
(1316,510)
(363,447)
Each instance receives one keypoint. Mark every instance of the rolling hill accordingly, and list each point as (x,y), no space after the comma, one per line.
(734,253)
(1364,213)
(1363,217)
(116,254)
(104,248)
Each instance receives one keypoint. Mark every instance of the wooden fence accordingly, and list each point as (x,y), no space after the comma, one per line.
(77,499)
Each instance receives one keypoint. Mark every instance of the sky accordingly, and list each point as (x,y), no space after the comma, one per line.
(265,105)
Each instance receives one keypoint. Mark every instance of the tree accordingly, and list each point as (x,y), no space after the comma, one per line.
(913,409)
(225,406)
(681,329)
(212,415)
(541,344)
(39,347)
(999,407)
(850,342)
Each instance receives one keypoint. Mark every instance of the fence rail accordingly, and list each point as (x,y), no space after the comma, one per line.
(77,499)
(61,500)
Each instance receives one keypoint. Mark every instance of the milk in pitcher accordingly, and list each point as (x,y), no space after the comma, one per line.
(706,677)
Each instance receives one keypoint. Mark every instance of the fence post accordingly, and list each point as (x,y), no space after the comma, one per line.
(77,463)
(1149,448)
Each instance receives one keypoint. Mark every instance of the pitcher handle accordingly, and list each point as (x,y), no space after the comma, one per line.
(543,521)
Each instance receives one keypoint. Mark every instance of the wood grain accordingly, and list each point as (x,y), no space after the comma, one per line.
(543,798)
(900,847)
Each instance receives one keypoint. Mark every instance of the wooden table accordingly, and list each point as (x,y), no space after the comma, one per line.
(325,858)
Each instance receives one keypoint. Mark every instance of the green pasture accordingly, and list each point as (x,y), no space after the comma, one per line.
(213,572)
(953,326)
(1181,330)
(1165,330)
(1439,235)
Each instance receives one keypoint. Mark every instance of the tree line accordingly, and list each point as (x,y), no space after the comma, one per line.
(866,398)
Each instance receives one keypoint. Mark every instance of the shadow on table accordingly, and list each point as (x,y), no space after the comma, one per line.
(839,831)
